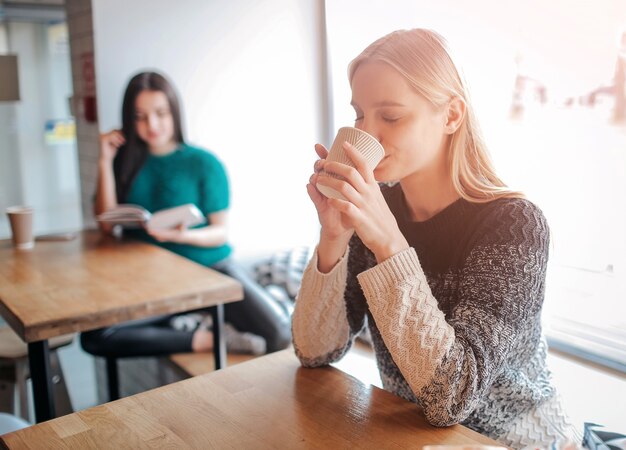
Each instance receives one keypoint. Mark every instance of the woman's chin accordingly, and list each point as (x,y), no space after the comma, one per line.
(381,175)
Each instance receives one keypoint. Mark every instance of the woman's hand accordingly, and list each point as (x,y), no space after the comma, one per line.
(336,229)
(365,209)
(334,224)
(109,144)
(176,234)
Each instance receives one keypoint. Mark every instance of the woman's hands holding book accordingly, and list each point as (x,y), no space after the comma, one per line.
(176,234)
(213,235)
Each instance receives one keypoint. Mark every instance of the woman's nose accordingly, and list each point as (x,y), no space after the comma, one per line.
(369,128)
(152,122)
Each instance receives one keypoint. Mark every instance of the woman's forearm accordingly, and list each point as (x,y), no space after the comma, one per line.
(330,251)
(106,197)
(209,236)
(321,332)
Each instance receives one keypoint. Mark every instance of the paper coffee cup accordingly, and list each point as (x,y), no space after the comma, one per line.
(21,220)
(365,143)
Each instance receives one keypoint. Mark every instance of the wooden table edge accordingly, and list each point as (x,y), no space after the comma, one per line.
(44,330)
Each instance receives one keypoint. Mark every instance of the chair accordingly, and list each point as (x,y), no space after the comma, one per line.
(14,372)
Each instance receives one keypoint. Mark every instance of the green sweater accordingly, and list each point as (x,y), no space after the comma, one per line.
(187,175)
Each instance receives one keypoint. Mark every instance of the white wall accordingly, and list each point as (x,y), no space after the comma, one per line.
(247,73)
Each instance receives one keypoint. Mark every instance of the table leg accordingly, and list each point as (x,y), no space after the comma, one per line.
(113,382)
(39,361)
(219,342)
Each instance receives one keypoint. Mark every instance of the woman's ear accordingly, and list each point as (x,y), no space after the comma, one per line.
(455,114)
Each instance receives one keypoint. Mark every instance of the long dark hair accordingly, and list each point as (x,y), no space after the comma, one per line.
(131,156)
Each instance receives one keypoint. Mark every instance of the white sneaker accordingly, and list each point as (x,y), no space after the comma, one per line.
(243,342)
(187,322)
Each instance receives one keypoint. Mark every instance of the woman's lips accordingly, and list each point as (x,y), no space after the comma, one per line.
(382,160)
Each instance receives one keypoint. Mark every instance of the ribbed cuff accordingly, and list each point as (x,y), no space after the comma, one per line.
(336,275)
(390,272)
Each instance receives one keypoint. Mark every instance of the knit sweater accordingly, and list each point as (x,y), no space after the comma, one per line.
(455,319)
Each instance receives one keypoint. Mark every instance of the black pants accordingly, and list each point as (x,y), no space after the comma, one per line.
(258,313)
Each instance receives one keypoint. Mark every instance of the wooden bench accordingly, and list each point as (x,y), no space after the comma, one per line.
(192,364)
(142,374)
(358,362)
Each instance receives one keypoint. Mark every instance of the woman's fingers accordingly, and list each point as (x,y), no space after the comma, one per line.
(351,215)
(113,138)
(315,195)
(321,151)
(117,142)
(350,174)
(344,187)
(360,163)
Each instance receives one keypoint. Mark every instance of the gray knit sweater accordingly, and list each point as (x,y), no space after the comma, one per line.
(455,319)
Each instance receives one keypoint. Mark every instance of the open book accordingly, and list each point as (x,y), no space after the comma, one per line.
(135,216)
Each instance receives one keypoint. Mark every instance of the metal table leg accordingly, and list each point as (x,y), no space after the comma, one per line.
(40,374)
(113,382)
(219,342)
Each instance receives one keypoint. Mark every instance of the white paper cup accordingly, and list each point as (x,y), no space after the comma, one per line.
(21,220)
(368,145)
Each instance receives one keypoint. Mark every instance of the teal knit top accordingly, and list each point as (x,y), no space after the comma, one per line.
(187,175)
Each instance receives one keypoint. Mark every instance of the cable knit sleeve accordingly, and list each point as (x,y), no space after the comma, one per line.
(320,328)
(451,362)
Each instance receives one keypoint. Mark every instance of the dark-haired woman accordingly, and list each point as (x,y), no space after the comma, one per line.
(148,163)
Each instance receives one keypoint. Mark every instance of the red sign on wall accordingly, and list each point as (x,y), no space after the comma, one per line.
(88,79)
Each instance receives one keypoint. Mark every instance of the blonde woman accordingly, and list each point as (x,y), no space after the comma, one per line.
(448,264)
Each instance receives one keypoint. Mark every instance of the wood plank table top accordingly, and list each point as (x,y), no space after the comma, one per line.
(95,281)
(267,402)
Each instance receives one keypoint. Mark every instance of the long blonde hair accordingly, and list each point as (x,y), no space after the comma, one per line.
(422,58)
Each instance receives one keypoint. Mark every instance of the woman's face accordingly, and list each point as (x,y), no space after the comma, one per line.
(153,120)
(409,127)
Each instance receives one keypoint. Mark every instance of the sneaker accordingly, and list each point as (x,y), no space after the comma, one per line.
(206,322)
(187,322)
(243,342)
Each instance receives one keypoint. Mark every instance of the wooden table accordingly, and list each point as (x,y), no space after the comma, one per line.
(96,281)
(268,402)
